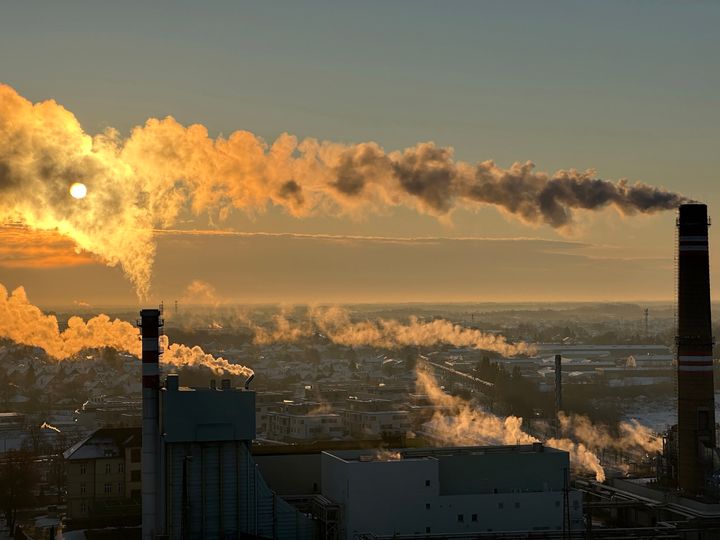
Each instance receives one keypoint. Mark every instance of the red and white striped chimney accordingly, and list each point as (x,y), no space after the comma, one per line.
(150,324)
(696,399)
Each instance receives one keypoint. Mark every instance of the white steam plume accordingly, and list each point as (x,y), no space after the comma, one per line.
(632,434)
(458,422)
(24,323)
(336,324)
(165,170)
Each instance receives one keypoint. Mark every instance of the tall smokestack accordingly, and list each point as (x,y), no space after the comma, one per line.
(150,324)
(558,384)
(558,392)
(696,403)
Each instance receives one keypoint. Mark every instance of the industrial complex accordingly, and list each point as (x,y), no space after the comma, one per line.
(371,454)
(200,479)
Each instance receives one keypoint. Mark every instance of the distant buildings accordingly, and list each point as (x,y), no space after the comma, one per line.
(294,425)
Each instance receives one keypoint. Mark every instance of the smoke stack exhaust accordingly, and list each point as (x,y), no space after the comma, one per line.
(150,324)
(696,401)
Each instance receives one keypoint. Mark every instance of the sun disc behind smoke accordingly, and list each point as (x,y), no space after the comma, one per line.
(78,190)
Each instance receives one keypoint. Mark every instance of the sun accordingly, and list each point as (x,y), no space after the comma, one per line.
(78,190)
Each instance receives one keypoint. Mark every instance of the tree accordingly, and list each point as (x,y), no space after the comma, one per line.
(56,474)
(30,377)
(18,477)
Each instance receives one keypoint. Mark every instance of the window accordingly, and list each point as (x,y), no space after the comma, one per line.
(135,455)
(83,507)
(108,468)
(82,488)
(501,506)
(517,505)
(83,469)
(134,476)
(427,483)
(461,518)
(108,489)
(473,517)
(121,467)
(427,530)
(427,506)
(120,488)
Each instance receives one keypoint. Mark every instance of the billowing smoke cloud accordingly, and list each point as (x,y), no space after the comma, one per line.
(164,170)
(458,422)
(25,323)
(335,323)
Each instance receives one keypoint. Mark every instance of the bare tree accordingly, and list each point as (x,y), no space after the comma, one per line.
(18,477)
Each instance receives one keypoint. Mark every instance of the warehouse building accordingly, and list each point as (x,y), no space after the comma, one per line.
(451,491)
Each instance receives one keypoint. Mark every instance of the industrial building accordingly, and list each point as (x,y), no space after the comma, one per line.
(444,491)
(199,479)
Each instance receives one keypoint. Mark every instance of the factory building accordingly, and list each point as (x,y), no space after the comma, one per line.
(211,487)
(200,480)
(451,491)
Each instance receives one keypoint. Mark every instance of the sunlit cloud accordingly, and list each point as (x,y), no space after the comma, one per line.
(24,248)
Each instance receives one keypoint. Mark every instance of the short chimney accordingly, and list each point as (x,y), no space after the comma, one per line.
(172,382)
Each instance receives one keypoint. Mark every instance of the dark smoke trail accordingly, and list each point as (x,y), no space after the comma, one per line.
(164,171)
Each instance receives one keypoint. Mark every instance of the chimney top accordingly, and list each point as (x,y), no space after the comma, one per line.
(172,382)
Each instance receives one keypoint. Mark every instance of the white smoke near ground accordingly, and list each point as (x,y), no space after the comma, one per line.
(458,422)
(631,435)
(337,325)
(26,324)
(165,171)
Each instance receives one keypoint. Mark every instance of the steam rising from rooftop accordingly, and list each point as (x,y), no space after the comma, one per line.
(164,171)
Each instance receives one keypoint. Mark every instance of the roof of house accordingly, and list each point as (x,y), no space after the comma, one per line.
(105,443)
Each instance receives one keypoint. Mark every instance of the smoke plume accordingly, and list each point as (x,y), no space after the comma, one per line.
(458,422)
(631,435)
(165,171)
(335,323)
(25,323)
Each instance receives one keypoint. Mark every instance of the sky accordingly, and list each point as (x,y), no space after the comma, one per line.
(626,89)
